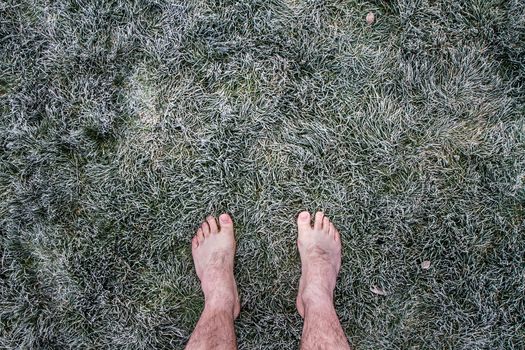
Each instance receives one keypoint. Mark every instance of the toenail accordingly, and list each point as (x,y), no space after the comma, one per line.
(225,219)
(304,215)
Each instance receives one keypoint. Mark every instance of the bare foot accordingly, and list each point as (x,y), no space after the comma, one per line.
(213,249)
(320,250)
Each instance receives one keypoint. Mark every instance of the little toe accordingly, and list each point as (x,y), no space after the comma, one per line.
(205,229)
(213,224)
(326,225)
(194,242)
(337,236)
(318,224)
(303,221)
(200,235)
(331,231)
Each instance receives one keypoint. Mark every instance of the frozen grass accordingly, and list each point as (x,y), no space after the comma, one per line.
(124,123)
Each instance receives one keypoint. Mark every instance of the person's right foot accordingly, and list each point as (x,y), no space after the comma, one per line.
(320,250)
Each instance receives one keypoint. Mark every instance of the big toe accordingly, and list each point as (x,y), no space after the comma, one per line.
(226,223)
(303,221)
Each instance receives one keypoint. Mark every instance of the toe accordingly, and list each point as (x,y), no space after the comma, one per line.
(205,229)
(337,236)
(226,222)
(318,224)
(326,225)
(331,231)
(213,224)
(200,235)
(303,221)
(194,242)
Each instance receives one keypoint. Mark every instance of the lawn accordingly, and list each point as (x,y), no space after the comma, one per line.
(124,123)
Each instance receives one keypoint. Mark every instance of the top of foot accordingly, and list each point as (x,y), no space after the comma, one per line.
(320,250)
(213,250)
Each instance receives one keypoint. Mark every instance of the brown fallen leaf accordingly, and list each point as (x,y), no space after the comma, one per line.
(425,265)
(377,290)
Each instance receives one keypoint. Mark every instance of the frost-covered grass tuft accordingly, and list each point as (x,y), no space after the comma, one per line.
(124,123)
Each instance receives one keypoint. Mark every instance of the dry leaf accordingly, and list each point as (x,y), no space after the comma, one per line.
(370,18)
(376,290)
(425,265)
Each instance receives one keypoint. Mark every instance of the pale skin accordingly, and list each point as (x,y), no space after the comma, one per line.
(213,249)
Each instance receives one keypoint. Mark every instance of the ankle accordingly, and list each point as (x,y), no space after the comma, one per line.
(217,285)
(318,302)
(313,296)
(320,306)
(219,296)
(219,304)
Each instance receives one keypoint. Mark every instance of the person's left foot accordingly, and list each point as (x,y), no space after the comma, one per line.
(213,249)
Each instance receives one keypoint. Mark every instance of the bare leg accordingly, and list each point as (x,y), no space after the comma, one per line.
(320,250)
(213,249)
